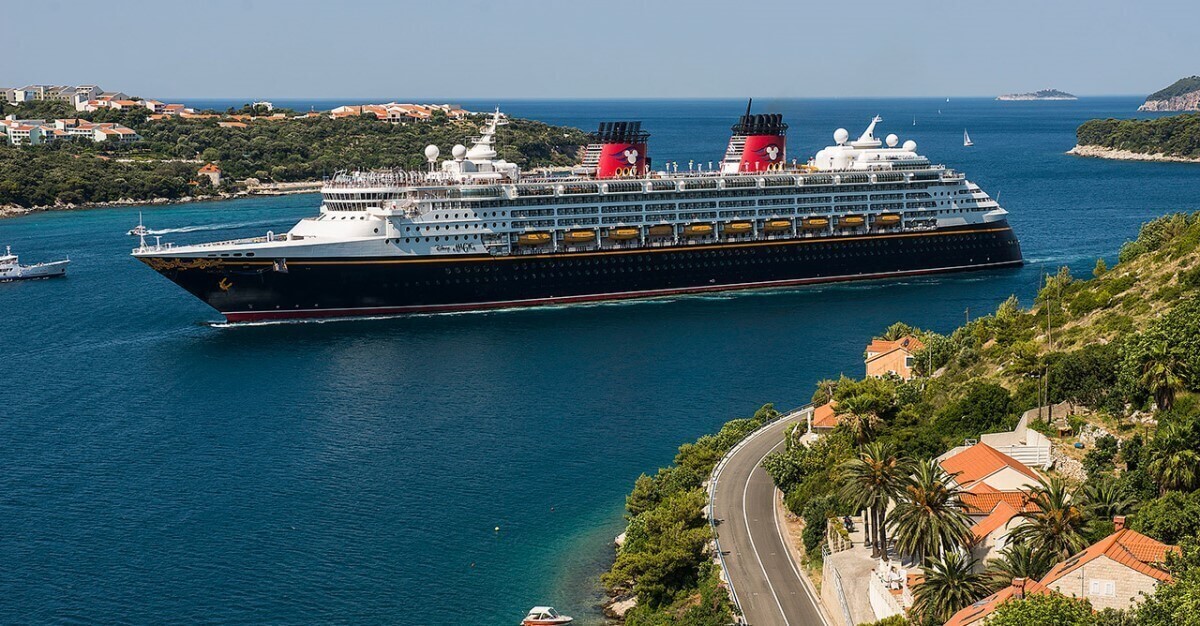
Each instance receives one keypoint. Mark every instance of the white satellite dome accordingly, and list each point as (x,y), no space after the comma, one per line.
(431,152)
(840,136)
(892,140)
(910,145)
(459,151)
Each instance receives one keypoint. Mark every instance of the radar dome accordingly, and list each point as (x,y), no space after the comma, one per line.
(840,136)
(431,152)
(910,145)
(892,140)
(459,151)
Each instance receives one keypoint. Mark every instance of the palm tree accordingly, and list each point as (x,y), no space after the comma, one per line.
(950,585)
(928,519)
(825,389)
(871,481)
(1018,560)
(1104,499)
(1163,373)
(860,415)
(1174,461)
(1055,522)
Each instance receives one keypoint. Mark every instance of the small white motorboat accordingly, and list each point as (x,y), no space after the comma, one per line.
(140,230)
(545,616)
(11,269)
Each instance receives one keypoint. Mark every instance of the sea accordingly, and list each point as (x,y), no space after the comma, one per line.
(158,466)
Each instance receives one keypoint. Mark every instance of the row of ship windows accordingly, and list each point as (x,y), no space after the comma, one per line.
(854,244)
(698,194)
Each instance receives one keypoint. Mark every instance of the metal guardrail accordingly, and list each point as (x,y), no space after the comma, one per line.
(712,493)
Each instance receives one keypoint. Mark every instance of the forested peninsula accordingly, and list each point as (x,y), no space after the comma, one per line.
(1174,138)
(1122,347)
(163,165)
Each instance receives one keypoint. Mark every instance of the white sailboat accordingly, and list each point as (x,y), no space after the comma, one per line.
(967,139)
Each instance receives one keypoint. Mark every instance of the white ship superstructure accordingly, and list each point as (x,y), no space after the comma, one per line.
(474,205)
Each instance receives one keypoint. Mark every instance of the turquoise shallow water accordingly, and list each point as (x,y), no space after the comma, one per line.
(158,468)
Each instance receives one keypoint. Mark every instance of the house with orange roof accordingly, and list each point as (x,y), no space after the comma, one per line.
(981,499)
(892,358)
(823,418)
(212,172)
(978,612)
(991,534)
(982,463)
(1115,572)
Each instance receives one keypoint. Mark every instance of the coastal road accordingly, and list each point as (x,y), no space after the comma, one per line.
(767,582)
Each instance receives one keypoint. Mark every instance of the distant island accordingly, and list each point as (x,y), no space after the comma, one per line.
(1182,95)
(1174,138)
(1043,94)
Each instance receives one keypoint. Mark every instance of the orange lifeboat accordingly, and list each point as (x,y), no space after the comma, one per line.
(662,230)
(738,227)
(815,223)
(850,221)
(697,230)
(580,236)
(888,219)
(623,233)
(536,238)
(778,225)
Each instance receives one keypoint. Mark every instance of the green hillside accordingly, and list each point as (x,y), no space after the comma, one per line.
(1123,347)
(1177,88)
(1177,135)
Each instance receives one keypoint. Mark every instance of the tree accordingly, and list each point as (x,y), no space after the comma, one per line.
(859,414)
(1043,609)
(1169,518)
(1057,521)
(1104,498)
(1018,560)
(825,391)
(871,481)
(928,518)
(1176,604)
(1174,461)
(950,584)
(1163,373)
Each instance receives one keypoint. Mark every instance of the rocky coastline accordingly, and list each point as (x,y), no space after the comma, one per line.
(1184,102)
(252,188)
(1102,152)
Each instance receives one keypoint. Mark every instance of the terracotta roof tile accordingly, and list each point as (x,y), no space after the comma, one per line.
(1001,515)
(986,503)
(1127,547)
(980,461)
(824,416)
(1019,588)
(880,346)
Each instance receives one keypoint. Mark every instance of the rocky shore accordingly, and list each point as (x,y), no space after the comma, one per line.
(251,188)
(1184,102)
(1102,152)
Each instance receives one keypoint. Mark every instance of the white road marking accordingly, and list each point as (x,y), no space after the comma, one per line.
(750,534)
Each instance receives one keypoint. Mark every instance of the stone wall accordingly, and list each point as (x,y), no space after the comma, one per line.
(1131,586)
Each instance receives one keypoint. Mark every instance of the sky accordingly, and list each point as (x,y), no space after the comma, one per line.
(601,48)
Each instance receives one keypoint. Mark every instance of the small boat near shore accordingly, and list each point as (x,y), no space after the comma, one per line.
(545,616)
(140,230)
(11,269)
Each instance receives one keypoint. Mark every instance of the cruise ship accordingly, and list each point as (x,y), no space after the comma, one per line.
(475,232)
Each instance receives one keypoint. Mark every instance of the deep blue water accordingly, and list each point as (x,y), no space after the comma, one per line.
(158,468)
